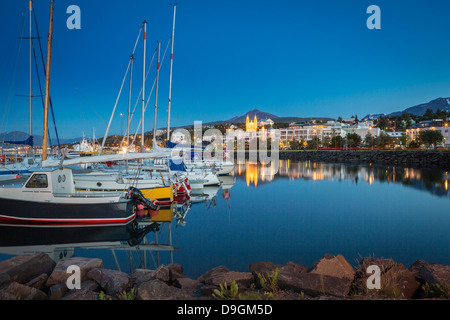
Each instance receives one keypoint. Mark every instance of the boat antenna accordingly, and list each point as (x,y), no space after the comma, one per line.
(31,81)
(170,77)
(47,83)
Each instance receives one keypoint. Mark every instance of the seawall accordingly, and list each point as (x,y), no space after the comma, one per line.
(410,158)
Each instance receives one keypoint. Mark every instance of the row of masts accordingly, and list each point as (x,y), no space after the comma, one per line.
(144,76)
(47,77)
(47,83)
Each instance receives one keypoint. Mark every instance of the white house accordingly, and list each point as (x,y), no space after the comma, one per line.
(178,137)
(265,122)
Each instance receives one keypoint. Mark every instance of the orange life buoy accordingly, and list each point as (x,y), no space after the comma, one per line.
(226,194)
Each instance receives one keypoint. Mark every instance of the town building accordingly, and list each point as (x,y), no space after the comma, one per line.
(435,124)
(330,129)
(251,126)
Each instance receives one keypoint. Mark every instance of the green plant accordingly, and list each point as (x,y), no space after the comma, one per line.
(225,293)
(102,296)
(436,290)
(269,284)
(130,295)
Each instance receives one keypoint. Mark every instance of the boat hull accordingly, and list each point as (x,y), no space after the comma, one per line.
(20,212)
(164,195)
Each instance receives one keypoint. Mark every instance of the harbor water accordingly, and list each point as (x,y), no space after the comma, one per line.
(297,212)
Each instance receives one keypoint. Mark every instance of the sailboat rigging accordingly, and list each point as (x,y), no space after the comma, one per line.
(170,75)
(48,197)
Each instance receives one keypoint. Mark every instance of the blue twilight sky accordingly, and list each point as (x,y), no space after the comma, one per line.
(286,57)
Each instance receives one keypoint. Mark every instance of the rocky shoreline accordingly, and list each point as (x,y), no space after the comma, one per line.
(38,277)
(410,158)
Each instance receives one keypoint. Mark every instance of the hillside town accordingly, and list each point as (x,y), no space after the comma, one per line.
(395,132)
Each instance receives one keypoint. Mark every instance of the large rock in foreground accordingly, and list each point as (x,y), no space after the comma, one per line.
(314,284)
(335,266)
(60,274)
(25,268)
(113,281)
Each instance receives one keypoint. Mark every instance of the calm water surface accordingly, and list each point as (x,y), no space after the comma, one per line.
(298,214)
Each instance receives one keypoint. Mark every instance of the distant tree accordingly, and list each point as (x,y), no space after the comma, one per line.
(337,142)
(414,144)
(383,123)
(353,140)
(280,125)
(431,137)
(312,144)
(384,140)
(369,140)
(428,115)
(295,144)
(326,140)
(406,120)
(339,119)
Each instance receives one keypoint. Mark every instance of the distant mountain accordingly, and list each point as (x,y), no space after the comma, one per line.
(442,104)
(374,116)
(251,114)
(37,139)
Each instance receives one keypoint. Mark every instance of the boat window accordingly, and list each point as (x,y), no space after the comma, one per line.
(38,181)
(30,161)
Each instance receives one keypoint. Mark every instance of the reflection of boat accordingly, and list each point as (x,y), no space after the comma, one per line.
(60,242)
(227,182)
(28,236)
(208,193)
(221,168)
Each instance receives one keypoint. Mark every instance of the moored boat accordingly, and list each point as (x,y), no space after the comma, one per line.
(48,197)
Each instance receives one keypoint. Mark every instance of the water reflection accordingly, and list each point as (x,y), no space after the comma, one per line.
(138,244)
(431,180)
(135,241)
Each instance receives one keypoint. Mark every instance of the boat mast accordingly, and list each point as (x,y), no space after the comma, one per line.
(47,83)
(31,88)
(143,87)
(170,77)
(156,94)
(129,102)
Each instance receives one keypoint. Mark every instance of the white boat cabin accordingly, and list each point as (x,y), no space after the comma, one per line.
(57,181)
(53,185)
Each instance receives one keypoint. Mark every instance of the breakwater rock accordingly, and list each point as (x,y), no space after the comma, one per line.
(412,158)
(38,277)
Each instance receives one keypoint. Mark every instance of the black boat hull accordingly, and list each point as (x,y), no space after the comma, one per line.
(19,212)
